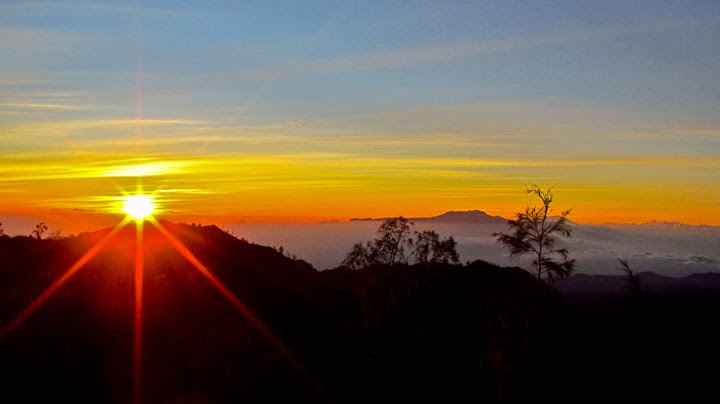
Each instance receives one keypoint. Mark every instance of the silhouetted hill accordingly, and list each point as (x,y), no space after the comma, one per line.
(650,281)
(441,333)
(191,333)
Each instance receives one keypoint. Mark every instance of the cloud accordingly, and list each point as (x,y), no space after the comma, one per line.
(400,58)
(62,127)
(135,122)
(710,132)
(40,167)
(31,105)
(17,39)
(36,8)
(148,169)
(311,181)
(6,80)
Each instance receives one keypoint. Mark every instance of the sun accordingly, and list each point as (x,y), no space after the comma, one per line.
(139,207)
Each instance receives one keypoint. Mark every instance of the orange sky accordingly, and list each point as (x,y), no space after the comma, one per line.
(77,193)
(320,186)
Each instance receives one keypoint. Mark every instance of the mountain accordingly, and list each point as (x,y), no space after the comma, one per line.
(466,217)
(454,217)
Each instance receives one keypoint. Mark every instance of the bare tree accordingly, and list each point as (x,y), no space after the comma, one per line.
(40,229)
(535,233)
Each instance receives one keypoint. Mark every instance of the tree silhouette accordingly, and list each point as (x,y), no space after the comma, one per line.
(534,233)
(358,257)
(2,232)
(394,235)
(390,246)
(40,229)
(430,247)
(56,234)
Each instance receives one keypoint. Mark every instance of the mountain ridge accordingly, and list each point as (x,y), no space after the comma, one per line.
(649,281)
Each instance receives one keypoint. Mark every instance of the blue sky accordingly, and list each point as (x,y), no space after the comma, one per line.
(394,82)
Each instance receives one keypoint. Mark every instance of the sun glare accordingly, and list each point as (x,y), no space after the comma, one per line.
(138,207)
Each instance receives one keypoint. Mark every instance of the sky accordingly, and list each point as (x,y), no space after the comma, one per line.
(330,110)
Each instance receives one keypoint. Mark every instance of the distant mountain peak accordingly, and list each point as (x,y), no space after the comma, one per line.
(453,216)
(467,216)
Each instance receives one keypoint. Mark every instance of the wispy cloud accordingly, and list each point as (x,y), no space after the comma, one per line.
(8,80)
(31,105)
(709,132)
(38,167)
(146,169)
(61,127)
(400,58)
(312,182)
(137,122)
(24,40)
(43,8)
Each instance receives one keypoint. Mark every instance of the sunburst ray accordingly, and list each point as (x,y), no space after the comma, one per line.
(138,323)
(242,309)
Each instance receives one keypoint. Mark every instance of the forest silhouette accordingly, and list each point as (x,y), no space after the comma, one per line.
(388,332)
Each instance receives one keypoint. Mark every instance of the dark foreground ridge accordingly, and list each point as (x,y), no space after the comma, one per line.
(423,333)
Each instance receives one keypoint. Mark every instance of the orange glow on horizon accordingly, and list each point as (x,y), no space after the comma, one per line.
(78,221)
(306,187)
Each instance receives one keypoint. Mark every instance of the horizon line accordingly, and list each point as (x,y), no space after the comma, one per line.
(221,220)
